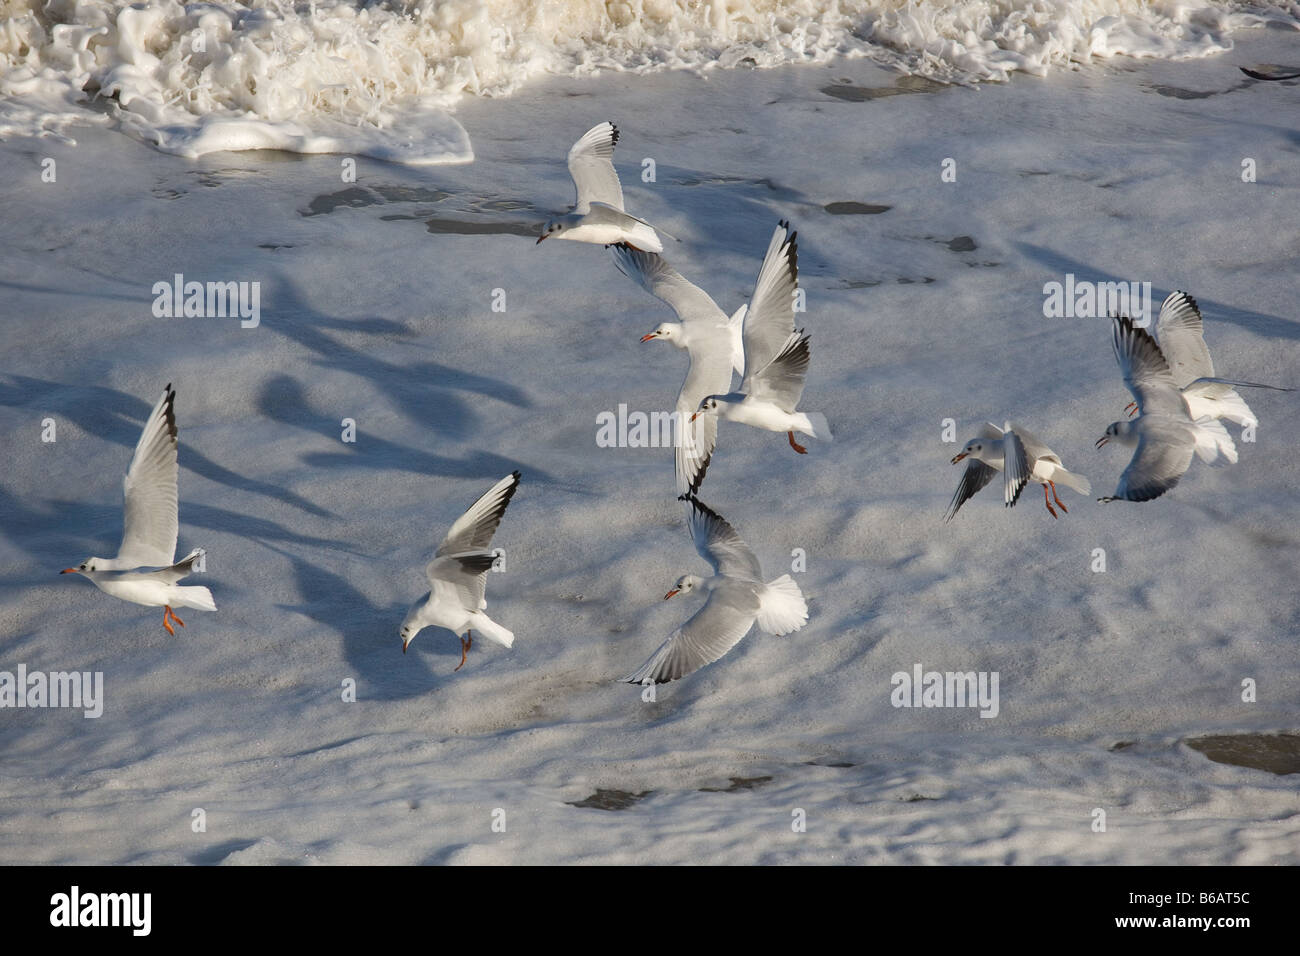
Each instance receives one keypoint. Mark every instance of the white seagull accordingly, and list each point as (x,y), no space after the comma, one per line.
(711,340)
(598,214)
(776,354)
(458,575)
(1164,433)
(1180,333)
(737,598)
(150,527)
(1029,459)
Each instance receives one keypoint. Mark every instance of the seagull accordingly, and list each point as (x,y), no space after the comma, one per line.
(1029,460)
(458,575)
(737,598)
(150,527)
(1180,335)
(1273,75)
(1164,433)
(711,340)
(776,354)
(598,214)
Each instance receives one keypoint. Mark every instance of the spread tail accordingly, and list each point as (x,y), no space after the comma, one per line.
(482,624)
(196,597)
(1213,440)
(821,428)
(781,607)
(1068,478)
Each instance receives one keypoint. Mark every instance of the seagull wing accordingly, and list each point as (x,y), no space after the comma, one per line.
(1163,455)
(474,529)
(975,477)
(1015,467)
(781,381)
(461,579)
(694,306)
(716,628)
(591,164)
(709,374)
(720,545)
(150,524)
(1180,331)
(1146,373)
(1035,448)
(769,319)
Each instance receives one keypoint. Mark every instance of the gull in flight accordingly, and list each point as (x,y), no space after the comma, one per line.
(737,599)
(598,214)
(1164,433)
(712,342)
(150,527)
(458,575)
(1021,458)
(1180,335)
(776,354)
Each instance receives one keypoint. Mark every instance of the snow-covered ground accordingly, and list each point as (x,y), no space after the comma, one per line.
(377,305)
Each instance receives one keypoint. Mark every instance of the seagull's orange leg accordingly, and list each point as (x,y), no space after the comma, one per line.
(166,623)
(1046,502)
(1059,503)
(464,650)
(1131,408)
(174,617)
(795,445)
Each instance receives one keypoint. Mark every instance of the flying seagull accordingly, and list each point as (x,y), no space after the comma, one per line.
(150,528)
(598,214)
(1029,460)
(737,599)
(458,575)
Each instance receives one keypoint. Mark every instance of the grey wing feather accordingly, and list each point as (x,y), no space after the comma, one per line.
(1181,333)
(1034,446)
(473,530)
(769,319)
(720,545)
(973,479)
(150,523)
(653,273)
(1161,458)
(1015,467)
(782,380)
(716,628)
(591,164)
(1146,373)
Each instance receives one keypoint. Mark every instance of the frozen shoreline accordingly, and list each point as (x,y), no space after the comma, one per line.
(375,308)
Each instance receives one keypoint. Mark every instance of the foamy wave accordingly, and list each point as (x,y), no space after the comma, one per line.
(376,79)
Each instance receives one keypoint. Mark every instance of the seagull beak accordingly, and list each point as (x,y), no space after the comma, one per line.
(1102,440)
(648,336)
(68,571)
(959,457)
(695,416)
(540,238)
(671,593)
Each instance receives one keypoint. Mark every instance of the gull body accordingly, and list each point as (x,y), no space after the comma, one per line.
(1164,436)
(737,599)
(1180,333)
(150,527)
(1021,458)
(776,354)
(711,340)
(457,575)
(598,215)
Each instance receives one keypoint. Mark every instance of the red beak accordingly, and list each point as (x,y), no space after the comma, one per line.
(959,458)
(671,593)
(68,571)
(647,337)
(695,416)
(540,238)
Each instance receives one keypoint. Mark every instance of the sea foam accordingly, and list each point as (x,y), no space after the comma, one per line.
(379,79)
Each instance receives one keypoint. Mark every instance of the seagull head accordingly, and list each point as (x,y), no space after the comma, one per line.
(685,585)
(972,449)
(90,564)
(668,331)
(552,227)
(410,628)
(710,405)
(1120,431)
